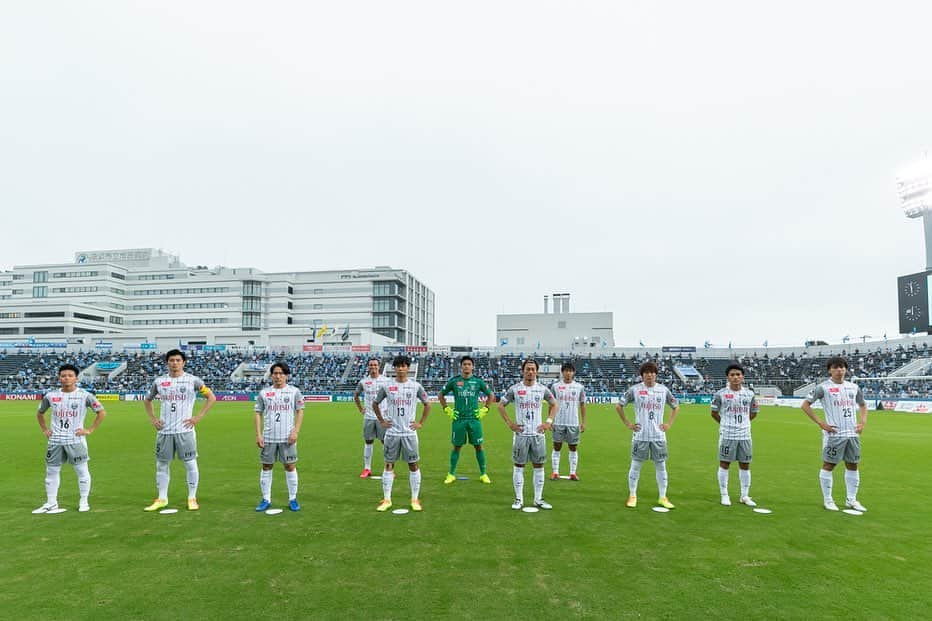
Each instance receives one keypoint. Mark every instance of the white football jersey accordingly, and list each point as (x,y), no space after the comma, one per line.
(68,411)
(568,397)
(398,404)
(176,400)
(278,407)
(648,410)
(369,389)
(735,408)
(840,402)
(529,405)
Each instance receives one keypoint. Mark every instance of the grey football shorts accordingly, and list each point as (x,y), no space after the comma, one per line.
(837,449)
(643,450)
(566,433)
(734,450)
(182,445)
(525,447)
(75,454)
(278,451)
(372,430)
(404,446)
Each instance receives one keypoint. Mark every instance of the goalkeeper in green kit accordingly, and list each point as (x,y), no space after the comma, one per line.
(466,414)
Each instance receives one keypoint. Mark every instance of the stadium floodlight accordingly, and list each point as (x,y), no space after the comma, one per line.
(914,187)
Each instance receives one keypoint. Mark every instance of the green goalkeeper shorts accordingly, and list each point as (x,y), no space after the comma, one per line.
(468,429)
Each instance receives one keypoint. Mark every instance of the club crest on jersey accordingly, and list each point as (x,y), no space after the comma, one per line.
(182,389)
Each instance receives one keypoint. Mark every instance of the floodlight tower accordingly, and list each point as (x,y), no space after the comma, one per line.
(914,186)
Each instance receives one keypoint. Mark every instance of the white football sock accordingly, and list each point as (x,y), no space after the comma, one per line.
(162,477)
(518,480)
(367,456)
(538,484)
(192,476)
(52,481)
(291,480)
(825,480)
(574,461)
(723,481)
(634,474)
(265,484)
(745,477)
(661,471)
(84,481)
(852,482)
(415,480)
(388,477)
(555,461)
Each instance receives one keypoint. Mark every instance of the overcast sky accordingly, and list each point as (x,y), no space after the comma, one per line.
(718,171)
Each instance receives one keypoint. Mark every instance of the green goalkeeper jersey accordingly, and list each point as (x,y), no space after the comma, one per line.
(466,394)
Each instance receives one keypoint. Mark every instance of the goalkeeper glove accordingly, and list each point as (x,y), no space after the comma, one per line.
(482,412)
(450,412)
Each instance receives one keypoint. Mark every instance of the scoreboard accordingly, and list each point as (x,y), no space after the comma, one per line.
(913,292)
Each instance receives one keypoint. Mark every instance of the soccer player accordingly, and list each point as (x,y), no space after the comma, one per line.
(570,421)
(840,431)
(67,437)
(399,397)
(733,408)
(177,392)
(279,413)
(368,387)
(529,439)
(650,438)
(466,414)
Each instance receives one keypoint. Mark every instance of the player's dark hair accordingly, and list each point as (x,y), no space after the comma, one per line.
(68,367)
(465,358)
(734,366)
(280,365)
(530,361)
(401,361)
(648,367)
(567,366)
(836,361)
(378,360)
(175,352)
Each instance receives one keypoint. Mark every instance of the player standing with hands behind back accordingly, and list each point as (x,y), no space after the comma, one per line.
(279,413)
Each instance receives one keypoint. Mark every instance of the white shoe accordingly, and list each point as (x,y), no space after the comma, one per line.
(46,508)
(726,500)
(830,505)
(747,500)
(543,504)
(854,504)
(517,504)
(83,507)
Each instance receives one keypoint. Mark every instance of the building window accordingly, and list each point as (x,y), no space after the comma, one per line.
(116,320)
(9,330)
(117,276)
(44,330)
(9,315)
(40,277)
(561,324)
(290,320)
(87,331)
(88,317)
(40,292)
(290,290)
(290,305)
(43,315)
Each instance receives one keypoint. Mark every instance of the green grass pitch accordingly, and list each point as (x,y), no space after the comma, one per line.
(468,554)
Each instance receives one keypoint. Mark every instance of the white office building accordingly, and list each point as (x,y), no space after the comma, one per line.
(556,331)
(149,296)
